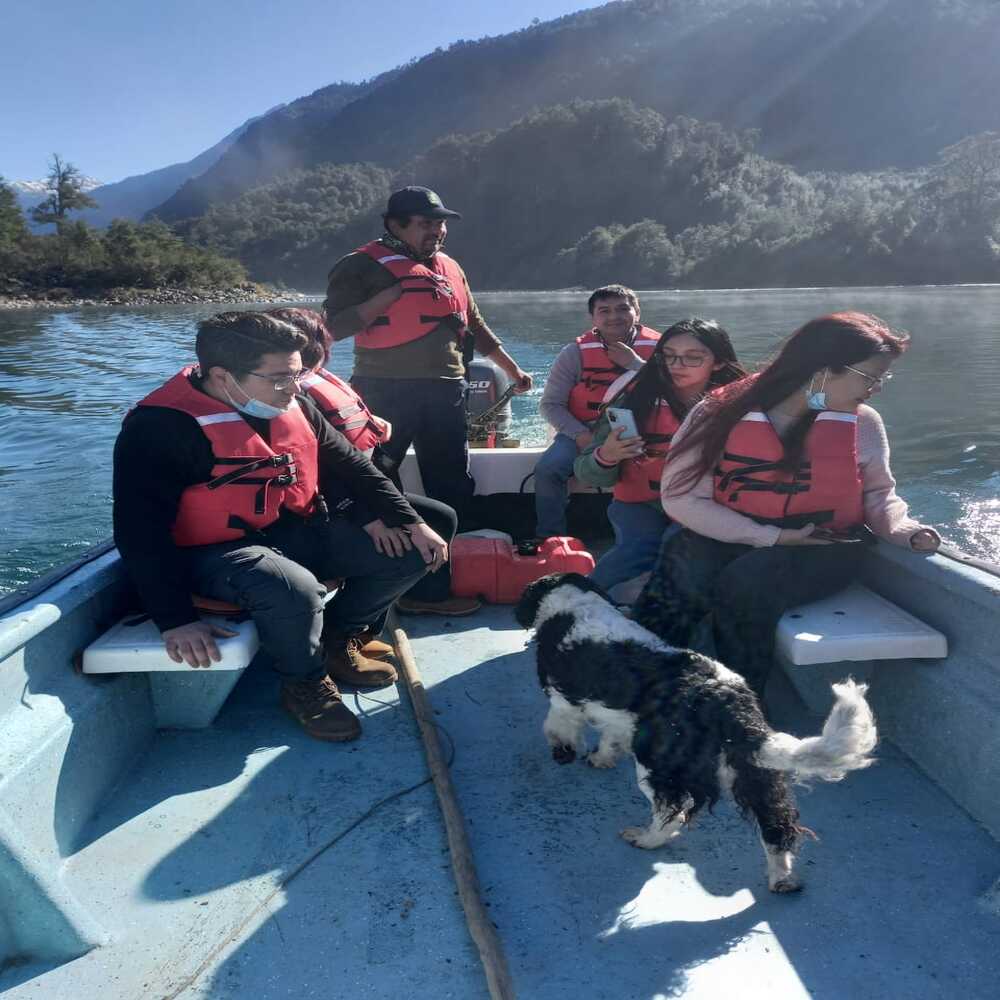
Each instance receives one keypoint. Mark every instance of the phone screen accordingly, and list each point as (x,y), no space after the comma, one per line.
(619,417)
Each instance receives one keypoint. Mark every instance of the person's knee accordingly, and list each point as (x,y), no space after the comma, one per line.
(275,584)
(554,466)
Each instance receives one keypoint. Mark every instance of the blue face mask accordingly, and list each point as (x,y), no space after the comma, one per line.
(816,400)
(255,407)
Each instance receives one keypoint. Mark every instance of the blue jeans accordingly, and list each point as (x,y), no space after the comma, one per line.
(552,472)
(639,530)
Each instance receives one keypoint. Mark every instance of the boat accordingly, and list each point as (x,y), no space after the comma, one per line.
(246,860)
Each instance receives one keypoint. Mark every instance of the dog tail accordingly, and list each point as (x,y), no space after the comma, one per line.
(849,736)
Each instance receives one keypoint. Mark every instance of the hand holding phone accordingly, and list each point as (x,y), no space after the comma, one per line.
(624,442)
(623,420)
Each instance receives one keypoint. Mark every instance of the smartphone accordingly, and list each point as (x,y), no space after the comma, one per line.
(619,417)
(832,536)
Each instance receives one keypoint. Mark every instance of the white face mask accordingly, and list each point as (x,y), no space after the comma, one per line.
(254,407)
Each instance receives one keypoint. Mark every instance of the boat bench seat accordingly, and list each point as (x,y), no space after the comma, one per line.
(183,697)
(854,626)
(858,625)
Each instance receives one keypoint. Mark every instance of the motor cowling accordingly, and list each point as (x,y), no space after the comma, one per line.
(487,385)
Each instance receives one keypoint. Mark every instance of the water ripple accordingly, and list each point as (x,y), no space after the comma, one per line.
(68,378)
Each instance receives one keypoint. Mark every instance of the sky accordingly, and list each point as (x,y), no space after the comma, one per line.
(122,87)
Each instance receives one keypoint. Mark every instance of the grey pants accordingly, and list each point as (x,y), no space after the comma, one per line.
(277,578)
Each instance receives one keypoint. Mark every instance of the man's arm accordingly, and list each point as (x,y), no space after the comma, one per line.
(554,409)
(346,473)
(158,454)
(488,344)
(359,290)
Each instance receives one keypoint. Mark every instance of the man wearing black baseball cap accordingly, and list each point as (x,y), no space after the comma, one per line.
(415,323)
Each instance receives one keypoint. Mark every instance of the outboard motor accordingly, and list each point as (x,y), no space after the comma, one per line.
(489,414)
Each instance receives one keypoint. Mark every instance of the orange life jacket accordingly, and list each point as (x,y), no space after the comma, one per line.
(432,292)
(344,408)
(639,478)
(252,479)
(598,371)
(826,489)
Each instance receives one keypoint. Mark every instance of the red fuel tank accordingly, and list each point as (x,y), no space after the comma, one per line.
(493,569)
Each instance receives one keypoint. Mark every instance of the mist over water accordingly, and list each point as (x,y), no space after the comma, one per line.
(67,379)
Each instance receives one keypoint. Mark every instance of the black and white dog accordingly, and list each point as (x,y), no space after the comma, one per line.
(695,727)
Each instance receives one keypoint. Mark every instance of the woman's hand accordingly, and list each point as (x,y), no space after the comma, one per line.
(616,449)
(389,541)
(429,544)
(925,540)
(801,536)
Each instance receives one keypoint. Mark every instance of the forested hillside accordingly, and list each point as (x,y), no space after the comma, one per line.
(602,191)
(829,84)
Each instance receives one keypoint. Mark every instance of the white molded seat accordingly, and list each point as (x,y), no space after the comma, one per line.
(135,645)
(856,625)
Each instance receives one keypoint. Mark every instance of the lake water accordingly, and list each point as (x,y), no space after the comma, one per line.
(67,378)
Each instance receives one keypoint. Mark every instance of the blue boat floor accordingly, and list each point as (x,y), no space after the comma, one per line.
(208,823)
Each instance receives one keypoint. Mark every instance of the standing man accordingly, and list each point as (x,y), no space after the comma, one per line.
(415,323)
(586,374)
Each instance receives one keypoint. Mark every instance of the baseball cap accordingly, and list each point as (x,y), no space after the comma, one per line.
(419,201)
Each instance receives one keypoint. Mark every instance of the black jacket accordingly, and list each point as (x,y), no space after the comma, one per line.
(160,452)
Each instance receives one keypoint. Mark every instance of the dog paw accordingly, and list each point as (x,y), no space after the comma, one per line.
(637,836)
(596,759)
(563,754)
(790,883)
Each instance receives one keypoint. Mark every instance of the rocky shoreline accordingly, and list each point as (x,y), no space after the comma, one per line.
(66,298)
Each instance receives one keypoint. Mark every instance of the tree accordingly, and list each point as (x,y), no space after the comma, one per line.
(970,172)
(66,194)
(12,226)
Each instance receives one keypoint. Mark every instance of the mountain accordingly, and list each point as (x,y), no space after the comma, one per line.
(270,144)
(829,84)
(133,197)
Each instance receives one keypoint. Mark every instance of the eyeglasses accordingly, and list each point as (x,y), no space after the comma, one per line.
(282,383)
(687,360)
(870,380)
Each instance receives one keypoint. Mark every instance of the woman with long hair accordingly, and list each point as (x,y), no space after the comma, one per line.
(780,482)
(692,358)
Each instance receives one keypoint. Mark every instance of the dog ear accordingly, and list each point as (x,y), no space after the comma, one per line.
(531,598)
(585,584)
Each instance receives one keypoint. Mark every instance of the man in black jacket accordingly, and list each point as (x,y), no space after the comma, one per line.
(229,484)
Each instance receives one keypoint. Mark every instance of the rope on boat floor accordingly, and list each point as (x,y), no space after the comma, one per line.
(463,863)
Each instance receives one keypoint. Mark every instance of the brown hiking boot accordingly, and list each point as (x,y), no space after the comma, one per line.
(452,607)
(317,707)
(346,663)
(373,648)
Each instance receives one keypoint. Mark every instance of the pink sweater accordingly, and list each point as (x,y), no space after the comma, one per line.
(885,512)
